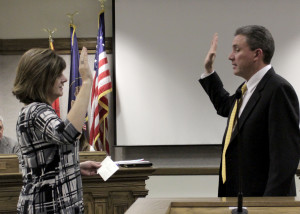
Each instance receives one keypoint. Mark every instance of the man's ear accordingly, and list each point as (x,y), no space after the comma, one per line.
(259,52)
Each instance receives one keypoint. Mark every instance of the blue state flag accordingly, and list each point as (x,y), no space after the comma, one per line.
(75,79)
(75,82)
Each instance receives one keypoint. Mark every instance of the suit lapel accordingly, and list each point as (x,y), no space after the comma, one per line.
(253,101)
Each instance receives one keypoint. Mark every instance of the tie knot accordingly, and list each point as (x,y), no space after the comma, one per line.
(244,88)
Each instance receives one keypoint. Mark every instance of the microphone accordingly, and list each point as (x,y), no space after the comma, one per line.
(239,209)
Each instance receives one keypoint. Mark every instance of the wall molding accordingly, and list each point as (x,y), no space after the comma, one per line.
(61,45)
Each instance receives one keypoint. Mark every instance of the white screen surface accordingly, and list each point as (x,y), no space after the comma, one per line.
(160,49)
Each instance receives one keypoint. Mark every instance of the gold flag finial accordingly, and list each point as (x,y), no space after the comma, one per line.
(71,15)
(102,4)
(50,33)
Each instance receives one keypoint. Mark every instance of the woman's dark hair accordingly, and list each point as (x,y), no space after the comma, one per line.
(36,74)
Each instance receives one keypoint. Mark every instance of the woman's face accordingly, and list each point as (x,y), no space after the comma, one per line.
(57,89)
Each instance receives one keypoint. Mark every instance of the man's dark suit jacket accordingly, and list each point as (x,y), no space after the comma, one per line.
(269,135)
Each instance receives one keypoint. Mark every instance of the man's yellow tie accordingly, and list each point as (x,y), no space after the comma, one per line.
(229,131)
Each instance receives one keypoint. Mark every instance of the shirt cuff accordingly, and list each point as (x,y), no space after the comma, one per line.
(204,75)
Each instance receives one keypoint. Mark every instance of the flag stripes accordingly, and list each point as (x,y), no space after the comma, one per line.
(101,87)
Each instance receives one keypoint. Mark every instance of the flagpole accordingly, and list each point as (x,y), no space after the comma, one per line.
(55,104)
(105,119)
(104,122)
(101,87)
(75,81)
(71,15)
(50,33)
(102,4)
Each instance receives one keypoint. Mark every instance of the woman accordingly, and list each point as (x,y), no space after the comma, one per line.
(49,146)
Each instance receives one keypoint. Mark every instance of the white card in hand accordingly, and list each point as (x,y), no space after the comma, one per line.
(107,169)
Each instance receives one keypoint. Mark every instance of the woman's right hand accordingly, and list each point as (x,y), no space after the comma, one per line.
(79,109)
(84,68)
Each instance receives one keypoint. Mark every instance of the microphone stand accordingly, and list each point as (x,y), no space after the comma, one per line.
(239,209)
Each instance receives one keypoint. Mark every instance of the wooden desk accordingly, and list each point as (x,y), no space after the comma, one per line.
(255,205)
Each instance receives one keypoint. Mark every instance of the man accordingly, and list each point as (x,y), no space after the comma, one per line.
(267,130)
(7,145)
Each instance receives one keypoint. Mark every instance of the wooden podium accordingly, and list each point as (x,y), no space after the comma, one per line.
(255,205)
(114,196)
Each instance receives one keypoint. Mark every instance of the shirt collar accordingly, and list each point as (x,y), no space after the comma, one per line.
(256,78)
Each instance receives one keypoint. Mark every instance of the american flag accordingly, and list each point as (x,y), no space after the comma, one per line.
(101,87)
(55,104)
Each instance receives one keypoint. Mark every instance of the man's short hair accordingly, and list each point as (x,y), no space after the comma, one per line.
(258,37)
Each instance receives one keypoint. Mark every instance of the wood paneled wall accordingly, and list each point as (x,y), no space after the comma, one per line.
(61,45)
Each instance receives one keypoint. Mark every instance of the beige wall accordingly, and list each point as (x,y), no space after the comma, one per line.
(27,18)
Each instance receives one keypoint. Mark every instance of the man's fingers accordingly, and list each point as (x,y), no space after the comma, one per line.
(212,57)
(214,44)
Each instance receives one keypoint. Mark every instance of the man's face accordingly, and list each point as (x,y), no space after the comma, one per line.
(1,130)
(242,57)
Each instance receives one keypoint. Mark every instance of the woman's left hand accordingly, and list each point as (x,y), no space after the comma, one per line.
(89,168)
